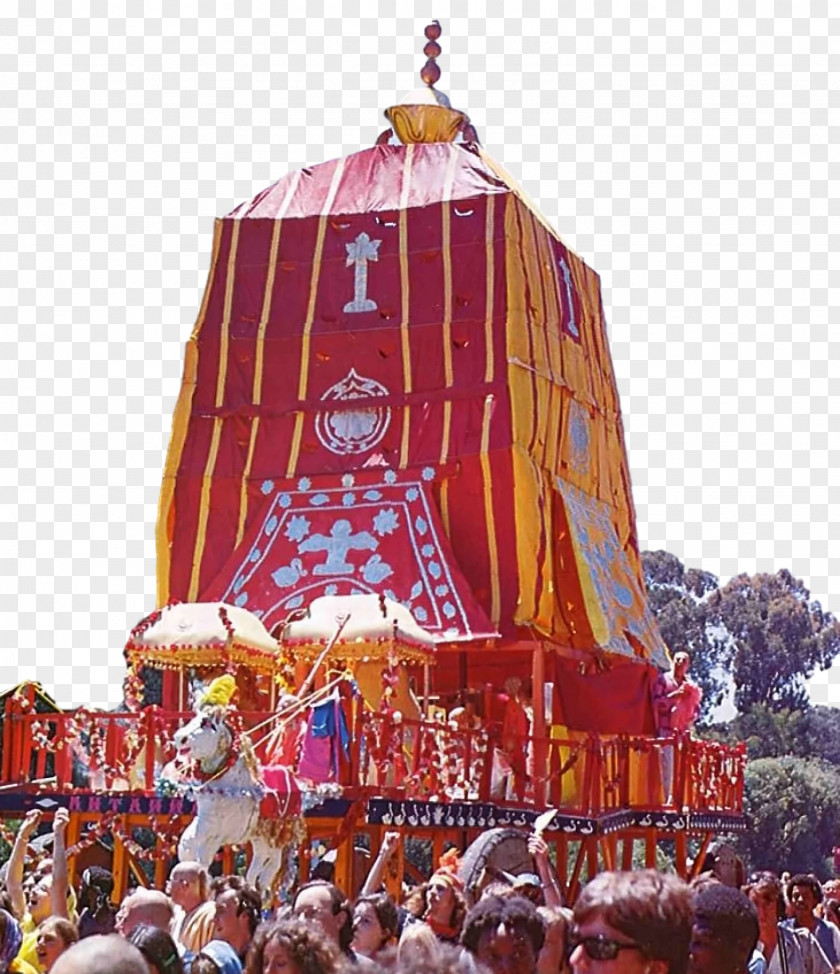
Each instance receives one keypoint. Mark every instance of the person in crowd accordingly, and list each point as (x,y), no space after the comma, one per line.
(804,894)
(786,950)
(724,931)
(831,911)
(55,935)
(676,703)
(554,957)
(418,947)
(11,938)
(504,934)
(440,902)
(550,886)
(149,906)
(159,949)
(375,924)
(375,878)
(636,921)
(216,957)
(292,946)
(324,904)
(238,913)
(48,893)
(110,954)
(195,911)
(97,913)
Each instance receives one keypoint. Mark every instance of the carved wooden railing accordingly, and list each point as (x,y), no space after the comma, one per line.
(395,758)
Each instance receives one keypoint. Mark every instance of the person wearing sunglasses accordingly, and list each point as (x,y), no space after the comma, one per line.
(632,923)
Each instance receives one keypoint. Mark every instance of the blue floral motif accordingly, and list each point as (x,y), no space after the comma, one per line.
(449,610)
(441,590)
(427,550)
(304,483)
(297,528)
(267,486)
(319,499)
(386,522)
(434,569)
(295,602)
(412,494)
(284,500)
(348,500)
(390,477)
(271,525)
(241,599)
(237,585)
(428,473)
(348,480)
(421,526)
(375,570)
(373,495)
(255,555)
(331,590)
(420,613)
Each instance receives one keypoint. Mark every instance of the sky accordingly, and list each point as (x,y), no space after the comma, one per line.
(691,160)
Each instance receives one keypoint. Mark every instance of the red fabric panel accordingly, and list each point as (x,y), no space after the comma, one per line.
(613,701)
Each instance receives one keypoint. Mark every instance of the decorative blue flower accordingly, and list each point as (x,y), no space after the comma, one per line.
(304,483)
(390,477)
(428,550)
(295,602)
(241,599)
(297,528)
(420,613)
(412,494)
(348,480)
(421,526)
(428,473)
(449,610)
(331,590)
(255,555)
(386,522)
(271,525)
(238,583)
(434,569)
(319,499)
(441,590)
(373,495)
(267,486)
(284,500)
(348,500)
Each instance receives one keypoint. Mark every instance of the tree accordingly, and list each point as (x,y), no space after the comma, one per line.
(812,732)
(778,638)
(794,815)
(679,600)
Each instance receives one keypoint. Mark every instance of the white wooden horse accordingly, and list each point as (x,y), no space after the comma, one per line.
(216,766)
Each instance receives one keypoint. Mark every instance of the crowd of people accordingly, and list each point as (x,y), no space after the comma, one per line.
(640,922)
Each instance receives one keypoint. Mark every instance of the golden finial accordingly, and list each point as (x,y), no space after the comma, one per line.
(425,115)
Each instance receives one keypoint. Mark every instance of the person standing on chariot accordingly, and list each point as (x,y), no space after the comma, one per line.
(676,703)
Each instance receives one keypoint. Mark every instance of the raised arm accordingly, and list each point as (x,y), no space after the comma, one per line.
(551,887)
(58,891)
(14,875)
(374,881)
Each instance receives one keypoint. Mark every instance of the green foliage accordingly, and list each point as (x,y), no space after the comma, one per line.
(763,633)
(792,804)
(804,732)
(778,638)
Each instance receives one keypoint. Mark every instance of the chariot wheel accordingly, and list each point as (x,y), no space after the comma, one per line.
(494,852)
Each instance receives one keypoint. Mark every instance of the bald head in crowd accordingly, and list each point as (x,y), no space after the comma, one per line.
(101,955)
(148,906)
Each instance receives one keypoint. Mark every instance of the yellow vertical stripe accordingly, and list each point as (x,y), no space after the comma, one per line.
(303,384)
(490,256)
(180,424)
(204,509)
(489,519)
(274,249)
(404,295)
(444,506)
(207,481)
(243,487)
(225,328)
(446,233)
